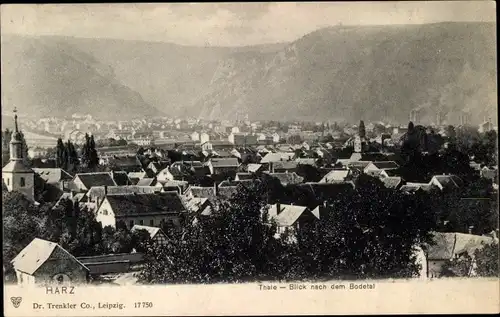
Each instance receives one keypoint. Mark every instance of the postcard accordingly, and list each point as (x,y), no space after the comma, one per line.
(274,158)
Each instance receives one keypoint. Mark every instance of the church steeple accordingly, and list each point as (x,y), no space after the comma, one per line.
(16,143)
(15,175)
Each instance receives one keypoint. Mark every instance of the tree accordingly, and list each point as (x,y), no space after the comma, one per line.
(362,130)
(86,151)
(458,267)
(93,157)
(487,260)
(60,155)
(294,139)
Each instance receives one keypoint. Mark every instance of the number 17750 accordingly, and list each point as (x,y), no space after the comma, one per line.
(143,305)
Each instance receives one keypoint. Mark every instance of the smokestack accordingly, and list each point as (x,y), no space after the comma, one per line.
(278,208)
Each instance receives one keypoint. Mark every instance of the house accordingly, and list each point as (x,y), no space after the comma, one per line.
(242,139)
(156,234)
(97,194)
(384,166)
(156,167)
(54,176)
(120,178)
(204,137)
(289,219)
(45,262)
(287,178)
(216,144)
(111,264)
(277,157)
(446,181)
(450,245)
(368,157)
(85,181)
(223,165)
(197,205)
(306,161)
(283,167)
(254,168)
(414,187)
(489,173)
(125,163)
(336,176)
(151,209)
(392,182)
(136,176)
(244,176)
(173,185)
(195,136)
(147,182)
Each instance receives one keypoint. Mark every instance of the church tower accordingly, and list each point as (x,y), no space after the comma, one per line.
(15,175)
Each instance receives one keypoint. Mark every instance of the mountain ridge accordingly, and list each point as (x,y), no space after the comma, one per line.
(340,73)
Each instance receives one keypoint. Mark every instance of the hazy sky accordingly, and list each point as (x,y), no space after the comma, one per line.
(226,24)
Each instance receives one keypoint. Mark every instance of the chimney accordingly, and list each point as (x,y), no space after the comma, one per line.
(105,190)
(216,189)
(278,208)
(325,203)
(470,229)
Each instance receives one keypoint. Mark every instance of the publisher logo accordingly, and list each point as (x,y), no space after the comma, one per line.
(16,301)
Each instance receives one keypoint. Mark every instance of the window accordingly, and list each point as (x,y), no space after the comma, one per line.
(105,212)
(152,222)
(8,181)
(131,223)
(141,222)
(23,183)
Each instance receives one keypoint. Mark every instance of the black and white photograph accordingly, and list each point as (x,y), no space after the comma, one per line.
(291,145)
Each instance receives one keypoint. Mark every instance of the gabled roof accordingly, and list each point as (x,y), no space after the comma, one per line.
(369,156)
(35,254)
(413,187)
(153,231)
(253,168)
(288,214)
(53,175)
(306,161)
(277,157)
(361,165)
(336,176)
(285,165)
(244,176)
(90,180)
(99,191)
(386,165)
(287,178)
(448,244)
(392,182)
(224,162)
(159,203)
(146,182)
(196,204)
(121,178)
(447,181)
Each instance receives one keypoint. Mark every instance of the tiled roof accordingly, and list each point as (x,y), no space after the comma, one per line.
(153,231)
(244,176)
(285,165)
(195,204)
(359,164)
(136,175)
(96,179)
(146,182)
(287,178)
(224,162)
(35,254)
(161,203)
(98,191)
(306,161)
(448,244)
(277,157)
(288,214)
(252,168)
(448,181)
(413,187)
(335,176)
(121,178)
(391,182)
(53,175)
(370,156)
(385,165)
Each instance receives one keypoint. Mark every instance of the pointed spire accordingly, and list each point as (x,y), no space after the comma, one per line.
(16,129)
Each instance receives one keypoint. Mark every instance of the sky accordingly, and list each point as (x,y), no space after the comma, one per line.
(226,24)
